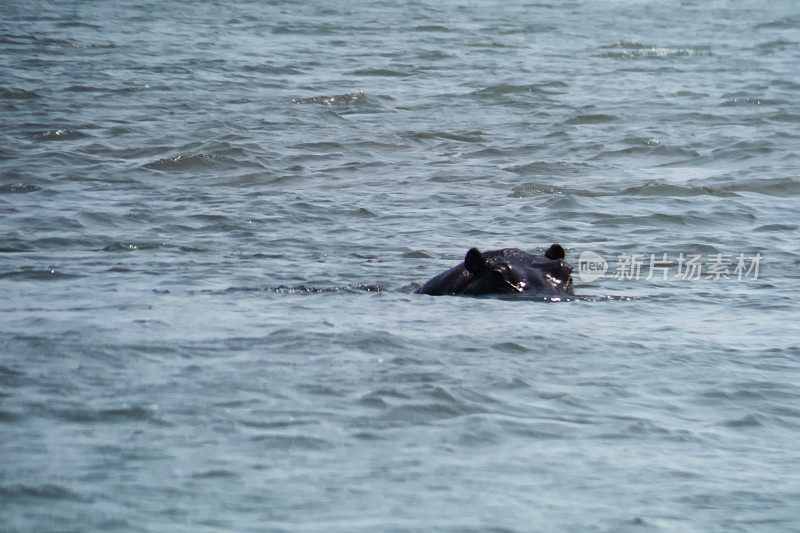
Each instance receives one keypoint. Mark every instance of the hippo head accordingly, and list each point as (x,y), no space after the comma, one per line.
(512,271)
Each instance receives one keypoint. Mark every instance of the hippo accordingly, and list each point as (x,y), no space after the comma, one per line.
(505,271)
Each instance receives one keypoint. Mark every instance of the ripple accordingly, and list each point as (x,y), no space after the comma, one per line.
(433,28)
(634,50)
(504,88)
(14,246)
(510,347)
(63,134)
(18,94)
(322,146)
(302,289)
(187,162)
(785,116)
(122,414)
(71,43)
(421,414)
(742,150)
(310,28)
(132,247)
(669,190)
(768,186)
(215,474)
(548,168)
(468,137)
(781,23)
(38,275)
(273,70)
(752,100)
(291,442)
(337,100)
(83,89)
(745,422)
(598,118)
(43,492)
(380,72)
(7,371)
(777,228)
(417,254)
(650,151)
(19,188)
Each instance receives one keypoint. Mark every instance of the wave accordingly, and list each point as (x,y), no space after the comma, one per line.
(19,188)
(131,247)
(653,188)
(650,151)
(121,414)
(781,187)
(781,23)
(181,162)
(467,137)
(62,134)
(18,94)
(669,190)
(44,492)
(300,289)
(531,88)
(291,442)
(633,50)
(222,155)
(274,70)
(752,100)
(70,43)
(380,72)
(347,99)
(558,168)
(38,274)
(598,118)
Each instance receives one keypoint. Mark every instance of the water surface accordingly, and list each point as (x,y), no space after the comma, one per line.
(213,216)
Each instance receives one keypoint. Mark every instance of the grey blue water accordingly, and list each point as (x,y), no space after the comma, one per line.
(214,215)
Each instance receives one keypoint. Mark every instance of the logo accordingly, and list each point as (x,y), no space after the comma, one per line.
(591,266)
(719,266)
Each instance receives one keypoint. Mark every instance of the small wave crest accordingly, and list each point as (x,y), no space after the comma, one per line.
(61,134)
(131,247)
(531,88)
(273,70)
(348,99)
(19,188)
(181,162)
(547,168)
(121,414)
(42,492)
(32,274)
(224,157)
(380,72)
(467,136)
(17,94)
(592,118)
(633,50)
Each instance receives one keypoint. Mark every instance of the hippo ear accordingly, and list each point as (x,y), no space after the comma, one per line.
(555,252)
(474,261)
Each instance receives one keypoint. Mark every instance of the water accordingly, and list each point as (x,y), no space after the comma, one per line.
(214,216)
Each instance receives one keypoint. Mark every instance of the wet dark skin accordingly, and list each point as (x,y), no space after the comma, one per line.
(505,271)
